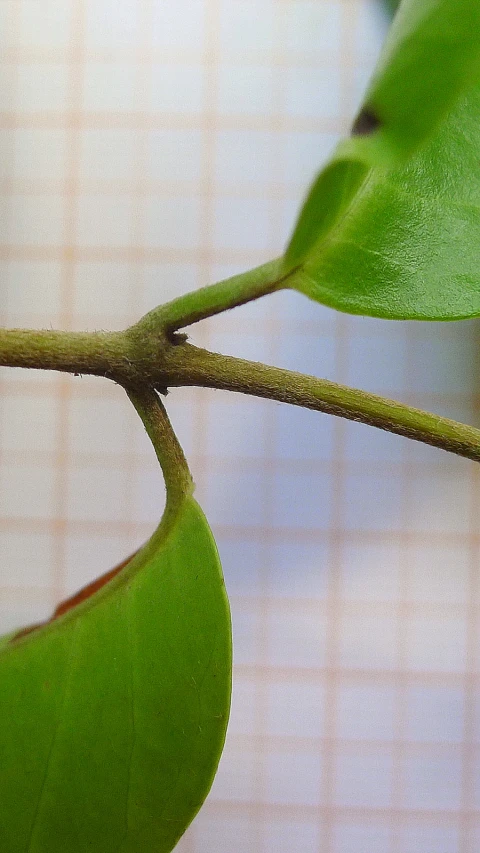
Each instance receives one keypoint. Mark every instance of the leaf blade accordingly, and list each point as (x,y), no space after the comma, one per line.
(404,244)
(107,775)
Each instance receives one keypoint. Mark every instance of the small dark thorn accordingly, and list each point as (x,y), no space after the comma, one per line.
(163,390)
(365,123)
(177,338)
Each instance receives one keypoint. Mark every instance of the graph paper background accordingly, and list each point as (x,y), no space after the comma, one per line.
(151,146)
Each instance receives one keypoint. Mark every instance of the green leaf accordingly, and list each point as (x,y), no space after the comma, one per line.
(113,716)
(391,227)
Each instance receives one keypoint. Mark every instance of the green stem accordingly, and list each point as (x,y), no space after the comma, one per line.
(178,480)
(98,353)
(216,298)
(189,365)
(143,358)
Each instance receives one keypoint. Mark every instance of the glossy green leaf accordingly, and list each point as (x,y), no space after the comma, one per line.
(391,226)
(113,717)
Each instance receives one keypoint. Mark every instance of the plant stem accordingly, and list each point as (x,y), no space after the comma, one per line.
(199,367)
(178,480)
(98,353)
(143,358)
(211,300)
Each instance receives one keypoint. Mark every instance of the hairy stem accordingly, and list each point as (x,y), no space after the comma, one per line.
(193,366)
(98,353)
(211,300)
(147,357)
(178,480)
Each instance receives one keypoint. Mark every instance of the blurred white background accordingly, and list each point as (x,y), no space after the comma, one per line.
(148,147)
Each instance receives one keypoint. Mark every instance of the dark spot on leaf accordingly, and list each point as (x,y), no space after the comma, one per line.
(365,123)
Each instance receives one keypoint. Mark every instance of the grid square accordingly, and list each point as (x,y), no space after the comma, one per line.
(439,574)
(242,223)
(232,833)
(301,434)
(435,714)
(27,492)
(302,501)
(176,88)
(476,779)
(435,839)
(102,292)
(96,493)
(377,364)
(172,222)
(34,221)
(312,28)
(8,87)
(245,90)
(427,497)
(45,25)
(284,769)
(365,712)
(475,697)
(373,502)
(88,426)
(174,155)
(370,572)
(234,497)
(299,570)
(283,836)
(27,558)
(312,92)
(104,220)
(432,781)
(109,87)
(107,154)
(296,637)
(8,23)
(29,423)
(444,362)
(368,641)
(33,290)
(176,32)
(349,837)
(244,156)
(295,710)
(247,26)
(363,779)
(111,24)
(436,643)
(42,87)
(6,153)
(39,153)
(229,436)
